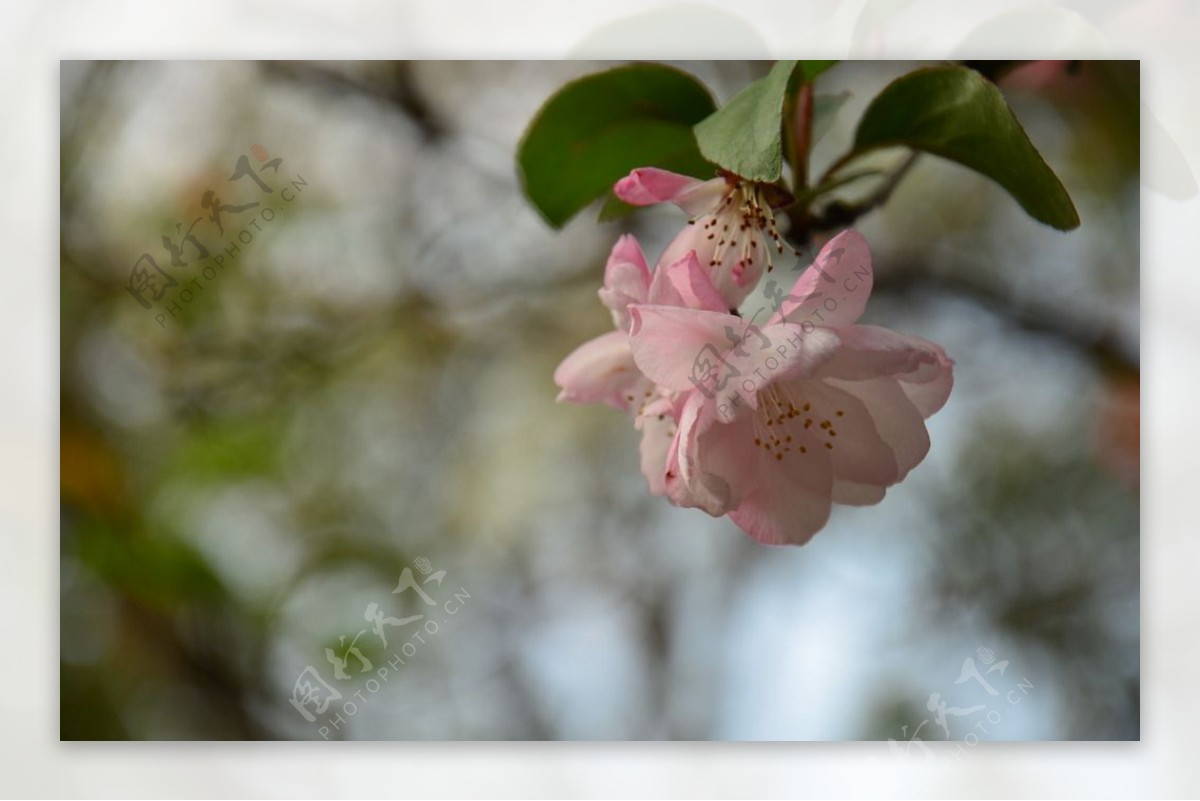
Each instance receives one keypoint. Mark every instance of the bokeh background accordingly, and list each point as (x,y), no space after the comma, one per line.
(369,385)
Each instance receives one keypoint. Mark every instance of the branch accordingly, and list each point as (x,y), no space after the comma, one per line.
(840,214)
(402,91)
(1096,340)
(801,139)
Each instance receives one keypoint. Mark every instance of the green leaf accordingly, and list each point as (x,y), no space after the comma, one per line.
(825,108)
(809,70)
(746,135)
(955,113)
(596,129)
(806,72)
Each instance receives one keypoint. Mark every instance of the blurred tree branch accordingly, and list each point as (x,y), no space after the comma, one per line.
(840,214)
(399,90)
(1103,345)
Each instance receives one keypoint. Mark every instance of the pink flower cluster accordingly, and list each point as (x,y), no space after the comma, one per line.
(770,424)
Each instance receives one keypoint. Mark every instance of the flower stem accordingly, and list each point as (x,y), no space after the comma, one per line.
(802,139)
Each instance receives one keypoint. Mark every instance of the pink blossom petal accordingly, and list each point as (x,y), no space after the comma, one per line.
(929,388)
(658,433)
(671,345)
(789,500)
(627,250)
(895,418)
(835,287)
(709,470)
(868,351)
(649,185)
(845,429)
(683,405)
(778,352)
(602,370)
(851,494)
(685,283)
(732,277)
(626,280)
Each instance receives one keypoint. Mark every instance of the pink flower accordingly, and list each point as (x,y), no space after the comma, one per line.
(777,423)
(602,370)
(731,230)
